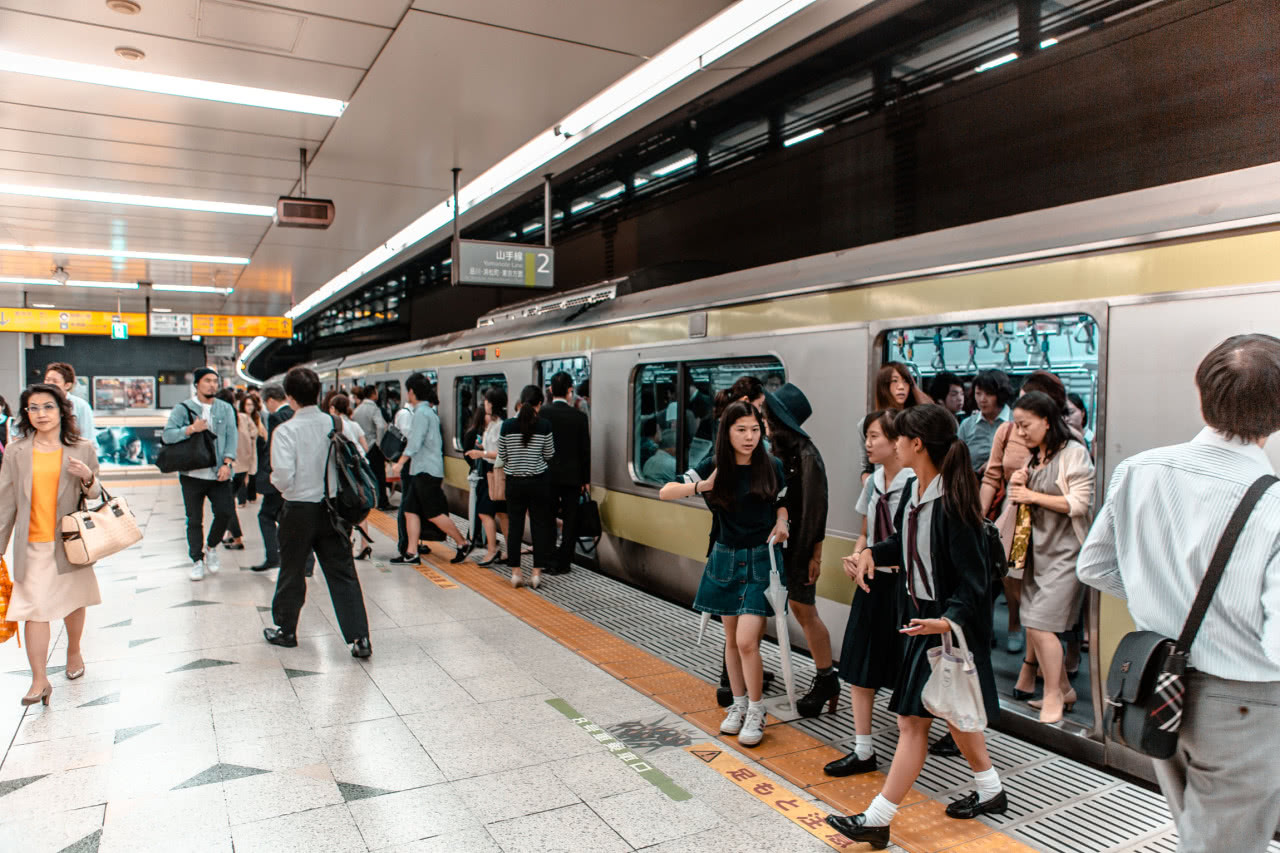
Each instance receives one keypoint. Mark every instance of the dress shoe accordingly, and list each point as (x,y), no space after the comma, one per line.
(853,826)
(969,807)
(486,563)
(460,554)
(42,697)
(944,746)
(851,765)
(1024,695)
(264,566)
(361,648)
(825,690)
(555,570)
(276,637)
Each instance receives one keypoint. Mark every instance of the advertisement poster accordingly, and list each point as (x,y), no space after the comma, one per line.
(124,392)
(121,446)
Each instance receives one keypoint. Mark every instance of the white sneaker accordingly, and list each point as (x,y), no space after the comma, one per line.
(732,723)
(211,564)
(197,570)
(752,726)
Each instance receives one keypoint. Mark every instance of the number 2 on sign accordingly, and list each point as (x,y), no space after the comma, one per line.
(543,260)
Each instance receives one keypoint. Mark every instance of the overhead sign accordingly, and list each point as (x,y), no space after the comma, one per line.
(235,326)
(505,264)
(120,331)
(170,325)
(52,321)
(219,348)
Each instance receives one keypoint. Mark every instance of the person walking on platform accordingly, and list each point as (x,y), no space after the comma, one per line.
(299,470)
(203,412)
(62,375)
(570,469)
(234,540)
(1166,510)
(746,491)
(943,553)
(423,495)
(369,417)
(45,475)
(525,448)
(278,412)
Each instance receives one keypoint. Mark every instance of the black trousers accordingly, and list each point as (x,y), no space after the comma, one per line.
(194,492)
(565,500)
(308,527)
(378,463)
(246,487)
(530,495)
(268,525)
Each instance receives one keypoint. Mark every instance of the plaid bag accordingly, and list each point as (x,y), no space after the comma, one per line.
(7,629)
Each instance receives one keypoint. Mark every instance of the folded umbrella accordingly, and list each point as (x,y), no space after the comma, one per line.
(777,595)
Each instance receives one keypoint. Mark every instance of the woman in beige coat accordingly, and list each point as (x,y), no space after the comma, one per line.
(44,477)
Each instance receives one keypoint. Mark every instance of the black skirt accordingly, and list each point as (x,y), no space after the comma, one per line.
(916,671)
(484,504)
(872,652)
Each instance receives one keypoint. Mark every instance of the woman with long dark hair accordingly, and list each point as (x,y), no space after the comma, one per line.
(492,513)
(1056,487)
(525,444)
(745,488)
(942,552)
(895,388)
(47,472)
(252,436)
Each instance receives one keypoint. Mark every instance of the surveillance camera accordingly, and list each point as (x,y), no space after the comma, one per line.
(60,275)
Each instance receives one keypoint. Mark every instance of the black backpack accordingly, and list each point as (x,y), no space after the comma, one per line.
(997,559)
(357,492)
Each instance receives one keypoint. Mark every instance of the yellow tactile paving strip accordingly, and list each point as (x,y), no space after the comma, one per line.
(921,825)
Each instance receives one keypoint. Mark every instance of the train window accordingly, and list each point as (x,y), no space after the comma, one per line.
(577,366)
(389,398)
(469,392)
(703,381)
(654,440)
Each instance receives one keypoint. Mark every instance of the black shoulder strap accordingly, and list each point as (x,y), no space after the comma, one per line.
(1216,566)
(902,503)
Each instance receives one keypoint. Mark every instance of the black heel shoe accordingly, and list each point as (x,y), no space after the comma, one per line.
(825,690)
(1024,695)
(365,554)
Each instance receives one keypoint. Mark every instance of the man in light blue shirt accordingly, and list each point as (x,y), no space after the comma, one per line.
(62,375)
(423,490)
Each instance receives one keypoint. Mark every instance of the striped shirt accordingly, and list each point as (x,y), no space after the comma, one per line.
(525,460)
(1152,541)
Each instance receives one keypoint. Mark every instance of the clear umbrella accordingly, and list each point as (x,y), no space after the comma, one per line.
(473,479)
(777,595)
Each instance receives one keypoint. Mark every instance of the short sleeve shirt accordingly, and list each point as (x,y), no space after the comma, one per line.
(872,491)
(750,521)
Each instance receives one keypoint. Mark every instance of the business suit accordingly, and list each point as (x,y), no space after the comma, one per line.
(272,500)
(569,470)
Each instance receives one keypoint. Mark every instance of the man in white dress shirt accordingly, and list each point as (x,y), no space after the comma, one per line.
(1151,544)
(299,467)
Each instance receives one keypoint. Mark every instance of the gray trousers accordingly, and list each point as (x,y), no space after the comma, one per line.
(1222,785)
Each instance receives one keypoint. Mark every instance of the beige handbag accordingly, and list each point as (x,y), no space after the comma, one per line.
(89,535)
(497,484)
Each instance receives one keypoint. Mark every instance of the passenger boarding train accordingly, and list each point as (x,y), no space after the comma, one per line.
(1120,296)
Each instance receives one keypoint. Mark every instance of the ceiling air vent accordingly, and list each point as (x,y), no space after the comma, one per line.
(130,53)
(124,7)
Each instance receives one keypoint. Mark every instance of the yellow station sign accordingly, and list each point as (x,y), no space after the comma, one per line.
(49,321)
(235,326)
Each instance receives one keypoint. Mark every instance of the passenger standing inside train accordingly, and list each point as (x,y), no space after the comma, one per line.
(895,389)
(1078,418)
(785,412)
(1165,512)
(369,417)
(278,412)
(1056,487)
(62,375)
(570,468)
(872,652)
(942,550)
(300,471)
(992,391)
(48,471)
(526,445)
(203,412)
(234,540)
(746,489)
(947,390)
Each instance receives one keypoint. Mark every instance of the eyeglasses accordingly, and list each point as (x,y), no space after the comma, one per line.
(47,407)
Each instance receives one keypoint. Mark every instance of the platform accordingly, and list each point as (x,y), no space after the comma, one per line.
(577,717)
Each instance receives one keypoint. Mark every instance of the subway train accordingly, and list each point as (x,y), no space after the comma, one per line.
(1120,296)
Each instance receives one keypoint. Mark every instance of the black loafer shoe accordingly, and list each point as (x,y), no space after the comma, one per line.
(361,648)
(851,765)
(460,554)
(944,747)
(852,826)
(265,567)
(969,807)
(276,637)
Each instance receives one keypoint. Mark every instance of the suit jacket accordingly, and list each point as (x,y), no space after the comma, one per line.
(274,419)
(571,465)
(15,498)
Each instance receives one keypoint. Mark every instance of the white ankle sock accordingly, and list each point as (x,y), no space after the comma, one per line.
(880,812)
(741,701)
(863,746)
(760,704)
(988,782)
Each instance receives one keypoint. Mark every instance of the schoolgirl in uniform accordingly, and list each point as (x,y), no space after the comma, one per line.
(872,651)
(943,555)
(745,488)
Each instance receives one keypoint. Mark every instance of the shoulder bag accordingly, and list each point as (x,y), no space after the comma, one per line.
(497,484)
(1146,686)
(193,453)
(89,535)
(393,443)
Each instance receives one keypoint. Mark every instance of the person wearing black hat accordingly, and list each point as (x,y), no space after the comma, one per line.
(806,501)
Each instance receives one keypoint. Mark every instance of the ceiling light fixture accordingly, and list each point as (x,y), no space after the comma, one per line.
(1050,42)
(106,285)
(41,304)
(162,310)
(10,279)
(132,54)
(197,205)
(192,288)
(122,253)
(166,84)
(124,7)
(808,134)
(672,168)
(997,62)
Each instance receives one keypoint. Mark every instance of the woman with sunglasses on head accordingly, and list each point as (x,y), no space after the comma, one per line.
(942,551)
(46,474)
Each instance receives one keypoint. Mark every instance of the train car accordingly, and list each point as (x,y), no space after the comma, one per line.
(1121,296)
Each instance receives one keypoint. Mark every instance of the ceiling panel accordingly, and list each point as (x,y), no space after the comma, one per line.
(107,176)
(384,13)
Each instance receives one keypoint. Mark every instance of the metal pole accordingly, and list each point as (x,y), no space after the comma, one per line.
(546,210)
(302,172)
(457,233)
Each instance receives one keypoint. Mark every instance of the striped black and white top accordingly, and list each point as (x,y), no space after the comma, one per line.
(525,460)
(1152,541)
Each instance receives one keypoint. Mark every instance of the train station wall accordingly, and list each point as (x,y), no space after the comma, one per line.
(92,355)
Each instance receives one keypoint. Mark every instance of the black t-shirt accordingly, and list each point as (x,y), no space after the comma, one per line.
(751,520)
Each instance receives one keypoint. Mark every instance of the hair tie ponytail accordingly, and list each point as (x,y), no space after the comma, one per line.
(527,418)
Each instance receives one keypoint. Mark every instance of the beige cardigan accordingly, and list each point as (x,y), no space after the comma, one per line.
(15,499)
(246,445)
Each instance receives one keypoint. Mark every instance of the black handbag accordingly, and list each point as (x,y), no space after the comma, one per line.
(195,452)
(1146,686)
(393,443)
(589,526)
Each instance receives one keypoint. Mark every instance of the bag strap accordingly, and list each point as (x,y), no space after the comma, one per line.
(1177,662)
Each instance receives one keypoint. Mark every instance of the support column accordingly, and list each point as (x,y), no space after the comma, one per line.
(13,367)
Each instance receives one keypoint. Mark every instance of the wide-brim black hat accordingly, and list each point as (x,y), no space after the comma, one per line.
(790,406)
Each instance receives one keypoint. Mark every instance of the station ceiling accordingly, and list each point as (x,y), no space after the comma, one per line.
(429,85)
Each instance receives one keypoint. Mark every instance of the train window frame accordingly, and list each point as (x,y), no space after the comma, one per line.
(460,425)
(545,373)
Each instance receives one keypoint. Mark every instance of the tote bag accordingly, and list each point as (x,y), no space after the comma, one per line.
(953,691)
(194,453)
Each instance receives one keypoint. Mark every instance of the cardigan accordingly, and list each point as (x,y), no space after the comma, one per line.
(15,498)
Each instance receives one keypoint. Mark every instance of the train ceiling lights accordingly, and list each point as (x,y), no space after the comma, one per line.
(54,282)
(123,253)
(193,288)
(166,84)
(198,205)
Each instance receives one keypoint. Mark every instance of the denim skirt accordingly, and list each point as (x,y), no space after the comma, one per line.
(735,581)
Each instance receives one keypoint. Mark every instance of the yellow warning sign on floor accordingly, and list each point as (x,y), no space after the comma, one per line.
(435,577)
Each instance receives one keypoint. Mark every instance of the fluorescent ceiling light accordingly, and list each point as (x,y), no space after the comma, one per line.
(1048,43)
(107,285)
(165,84)
(808,134)
(192,288)
(10,279)
(531,227)
(612,193)
(139,200)
(162,310)
(41,304)
(121,253)
(682,163)
(581,206)
(997,62)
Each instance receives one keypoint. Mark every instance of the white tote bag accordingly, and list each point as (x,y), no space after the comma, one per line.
(953,691)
